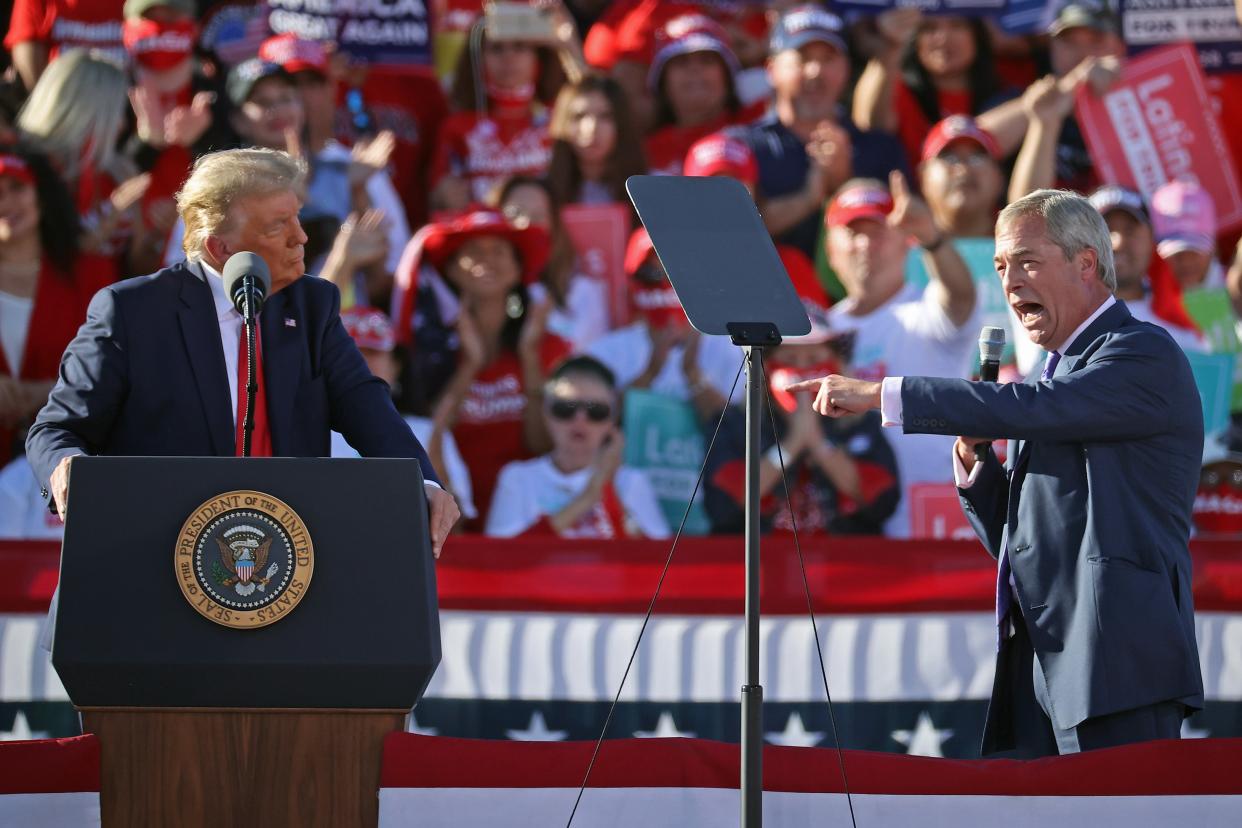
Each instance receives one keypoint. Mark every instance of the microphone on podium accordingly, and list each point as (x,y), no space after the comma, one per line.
(247,277)
(991,346)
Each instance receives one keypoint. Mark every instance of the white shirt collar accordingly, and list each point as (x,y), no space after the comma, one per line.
(1105,305)
(224,307)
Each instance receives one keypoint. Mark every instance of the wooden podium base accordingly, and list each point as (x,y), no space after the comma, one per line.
(193,767)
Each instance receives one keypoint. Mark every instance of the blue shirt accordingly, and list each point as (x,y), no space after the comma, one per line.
(783,167)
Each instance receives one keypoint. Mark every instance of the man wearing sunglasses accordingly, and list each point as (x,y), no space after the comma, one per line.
(579,489)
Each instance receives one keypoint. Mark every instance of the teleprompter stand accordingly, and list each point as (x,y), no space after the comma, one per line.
(729,278)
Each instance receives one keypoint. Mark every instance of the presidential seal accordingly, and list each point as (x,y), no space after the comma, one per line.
(244,559)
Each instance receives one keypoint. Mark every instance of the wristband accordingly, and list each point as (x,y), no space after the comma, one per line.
(936,245)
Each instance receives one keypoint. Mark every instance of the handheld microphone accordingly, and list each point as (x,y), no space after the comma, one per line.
(247,281)
(991,346)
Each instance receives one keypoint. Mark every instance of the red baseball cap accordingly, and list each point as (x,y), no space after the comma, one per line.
(958,128)
(686,35)
(861,201)
(15,167)
(293,54)
(158,46)
(637,250)
(722,154)
(370,328)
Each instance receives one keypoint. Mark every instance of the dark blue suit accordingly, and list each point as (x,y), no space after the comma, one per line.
(1094,510)
(145,376)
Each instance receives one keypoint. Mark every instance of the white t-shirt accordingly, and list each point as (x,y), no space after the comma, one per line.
(23,511)
(584,318)
(457,471)
(626,351)
(14,323)
(910,335)
(528,490)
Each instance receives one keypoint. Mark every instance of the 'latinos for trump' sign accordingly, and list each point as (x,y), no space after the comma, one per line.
(1157,124)
(376,32)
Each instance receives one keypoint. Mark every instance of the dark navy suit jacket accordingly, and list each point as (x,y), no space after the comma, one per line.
(145,376)
(1094,510)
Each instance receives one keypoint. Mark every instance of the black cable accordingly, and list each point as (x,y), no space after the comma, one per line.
(651,606)
(810,609)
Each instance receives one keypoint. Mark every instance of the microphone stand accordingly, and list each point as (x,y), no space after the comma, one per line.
(252,381)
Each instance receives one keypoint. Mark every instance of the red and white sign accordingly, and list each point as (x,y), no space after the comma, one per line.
(1156,124)
(936,512)
(599,233)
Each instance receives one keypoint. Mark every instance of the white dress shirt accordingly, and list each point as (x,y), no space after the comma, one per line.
(230,322)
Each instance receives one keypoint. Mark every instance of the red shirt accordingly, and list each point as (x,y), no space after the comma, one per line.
(488,150)
(412,106)
(68,24)
(912,124)
(58,311)
(489,424)
(668,145)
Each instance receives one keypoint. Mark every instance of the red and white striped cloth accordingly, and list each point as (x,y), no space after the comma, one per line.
(50,783)
(685,783)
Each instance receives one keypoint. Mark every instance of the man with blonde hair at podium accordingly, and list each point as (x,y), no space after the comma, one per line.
(159,367)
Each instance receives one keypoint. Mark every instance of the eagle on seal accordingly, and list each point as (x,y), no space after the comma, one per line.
(245,563)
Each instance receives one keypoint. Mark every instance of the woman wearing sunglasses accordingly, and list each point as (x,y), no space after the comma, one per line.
(579,489)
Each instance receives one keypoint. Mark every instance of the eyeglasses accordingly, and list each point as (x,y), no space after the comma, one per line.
(970,159)
(597,412)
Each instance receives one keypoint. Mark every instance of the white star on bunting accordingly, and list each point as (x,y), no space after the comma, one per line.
(795,734)
(537,731)
(925,739)
(665,728)
(21,730)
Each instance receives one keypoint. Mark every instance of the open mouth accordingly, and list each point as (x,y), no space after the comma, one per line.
(1029,313)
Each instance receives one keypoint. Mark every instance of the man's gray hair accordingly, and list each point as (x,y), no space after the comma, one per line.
(221,178)
(1071,223)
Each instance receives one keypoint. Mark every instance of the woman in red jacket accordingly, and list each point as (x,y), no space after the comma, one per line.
(44,290)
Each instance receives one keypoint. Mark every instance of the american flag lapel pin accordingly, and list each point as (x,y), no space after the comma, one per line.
(290,322)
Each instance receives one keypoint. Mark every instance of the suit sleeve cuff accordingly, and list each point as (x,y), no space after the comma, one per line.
(961,477)
(427,482)
(890,401)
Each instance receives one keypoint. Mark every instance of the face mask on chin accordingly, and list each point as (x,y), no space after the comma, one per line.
(781,375)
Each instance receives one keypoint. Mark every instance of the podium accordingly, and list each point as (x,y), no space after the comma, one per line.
(241,634)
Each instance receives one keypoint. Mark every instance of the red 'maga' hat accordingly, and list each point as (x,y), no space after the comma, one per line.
(436,242)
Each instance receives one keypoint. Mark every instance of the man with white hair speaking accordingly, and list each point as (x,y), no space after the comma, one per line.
(1090,520)
(155,371)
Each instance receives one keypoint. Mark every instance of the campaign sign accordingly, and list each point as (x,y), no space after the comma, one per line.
(1211,25)
(599,233)
(957,8)
(391,33)
(1214,376)
(1156,124)
(662,438)
(1213,314)
(936,513)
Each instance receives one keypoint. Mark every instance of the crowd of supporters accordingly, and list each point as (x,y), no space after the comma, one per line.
(554,394)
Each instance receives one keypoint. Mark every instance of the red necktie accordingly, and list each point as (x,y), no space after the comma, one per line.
(261,437)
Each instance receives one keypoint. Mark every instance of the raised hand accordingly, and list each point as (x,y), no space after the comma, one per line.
(1049,100)
(910,214)
(832,158)
(364,238)
(186,124)
(899,25)
(149,116)
(369,157)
